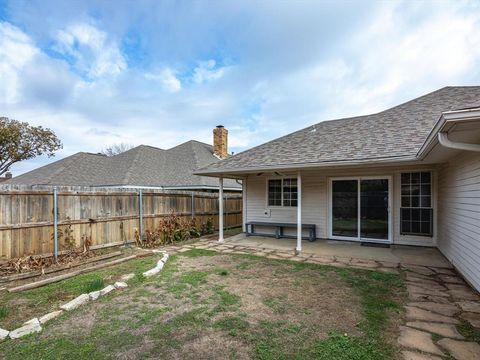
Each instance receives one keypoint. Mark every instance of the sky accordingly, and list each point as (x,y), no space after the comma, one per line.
(164,72)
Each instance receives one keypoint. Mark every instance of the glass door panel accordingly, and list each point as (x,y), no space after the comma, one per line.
(345,208)
(374,209)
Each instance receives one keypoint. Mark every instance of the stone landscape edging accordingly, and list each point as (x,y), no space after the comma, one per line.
(35,325)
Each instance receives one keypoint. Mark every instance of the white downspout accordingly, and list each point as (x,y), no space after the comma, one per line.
(446,142)
(299,213)
(220,209)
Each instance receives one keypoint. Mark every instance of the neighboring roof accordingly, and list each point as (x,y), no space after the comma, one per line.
(394,134)
(142,166)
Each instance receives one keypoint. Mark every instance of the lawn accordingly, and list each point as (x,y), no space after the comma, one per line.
(217,306)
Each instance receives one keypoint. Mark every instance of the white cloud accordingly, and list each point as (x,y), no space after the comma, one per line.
(167,78)
(16,51)
(206,71)
(92,50)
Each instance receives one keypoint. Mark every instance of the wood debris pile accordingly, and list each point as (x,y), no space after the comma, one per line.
(35,262)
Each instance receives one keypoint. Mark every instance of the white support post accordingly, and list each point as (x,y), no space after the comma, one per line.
(299,212)
(244,204)
(220,210)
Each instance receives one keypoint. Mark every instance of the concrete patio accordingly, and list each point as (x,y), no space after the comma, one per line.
(414,255)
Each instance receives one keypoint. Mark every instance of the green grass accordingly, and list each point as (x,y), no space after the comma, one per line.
(199,252)
(44,299)
(3,312)
(94,285)
(469,332)
(209,308)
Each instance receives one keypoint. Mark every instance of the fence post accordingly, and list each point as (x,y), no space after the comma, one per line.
(193,205)
(55,224)
(140,214)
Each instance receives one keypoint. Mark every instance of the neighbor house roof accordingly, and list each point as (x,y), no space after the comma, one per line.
(142,166)
(391,135)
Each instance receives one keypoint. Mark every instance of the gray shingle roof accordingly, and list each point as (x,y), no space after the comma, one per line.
(396,133)
(140,166)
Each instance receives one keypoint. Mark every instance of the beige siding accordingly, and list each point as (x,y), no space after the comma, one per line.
(315,200)
(459,214)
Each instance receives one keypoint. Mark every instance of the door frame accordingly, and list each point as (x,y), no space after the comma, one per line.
(389,209)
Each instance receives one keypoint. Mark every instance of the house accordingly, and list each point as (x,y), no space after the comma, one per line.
(408,175)
(140,167)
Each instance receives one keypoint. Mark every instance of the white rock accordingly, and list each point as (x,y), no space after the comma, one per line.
(50,316)
(25,330)
(165,258)
(94,295)
(33,321)
(127,277)
(3,334)
(120,285)
(106,290)
(79,300)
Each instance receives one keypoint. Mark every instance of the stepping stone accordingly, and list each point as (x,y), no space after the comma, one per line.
(461,350)
(389,264)
(464,294)
(50,316)
(420,279)
(364,263)
(410,355)
(414,313)
(388,270)
(418,340)
(470,306)
(472,318)
(428,285)
(422,270)
(120,285)
(322,260)
(445,330)
(444,309)
(424,297)
(451,279)
(344,260)
(422,290)
(444,271)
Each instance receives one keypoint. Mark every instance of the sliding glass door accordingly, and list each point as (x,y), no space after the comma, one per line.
(360,209)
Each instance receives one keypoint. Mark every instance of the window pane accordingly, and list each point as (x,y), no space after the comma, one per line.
(425,189)
(415,201)
(416,214)
(274,192)
(289,192)
(345,208)
(425,201)
(425,177)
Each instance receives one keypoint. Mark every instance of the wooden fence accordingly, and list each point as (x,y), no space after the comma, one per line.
(107,216)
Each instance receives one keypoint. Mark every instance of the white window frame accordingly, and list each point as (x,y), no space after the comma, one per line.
(266,192)
(359,238)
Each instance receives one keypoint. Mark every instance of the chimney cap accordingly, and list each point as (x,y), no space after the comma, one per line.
(220,126)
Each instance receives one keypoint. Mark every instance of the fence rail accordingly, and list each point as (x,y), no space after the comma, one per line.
(106,216)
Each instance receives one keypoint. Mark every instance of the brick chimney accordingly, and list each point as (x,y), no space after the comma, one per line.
(220,142)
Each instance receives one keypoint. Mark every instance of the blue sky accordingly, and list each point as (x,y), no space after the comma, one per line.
(164,72)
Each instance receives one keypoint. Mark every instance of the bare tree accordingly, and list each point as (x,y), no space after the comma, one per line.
(21,141)
(116,149)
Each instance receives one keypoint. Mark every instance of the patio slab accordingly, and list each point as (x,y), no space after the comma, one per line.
(422,256)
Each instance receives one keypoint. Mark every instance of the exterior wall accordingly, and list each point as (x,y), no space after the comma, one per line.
(316,198)
(459,214)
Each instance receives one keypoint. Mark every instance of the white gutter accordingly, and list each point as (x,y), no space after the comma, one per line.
(446,142)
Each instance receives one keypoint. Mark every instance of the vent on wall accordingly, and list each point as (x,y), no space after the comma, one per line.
(267,212)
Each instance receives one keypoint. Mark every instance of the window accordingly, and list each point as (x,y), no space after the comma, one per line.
(416,213)
(282,192)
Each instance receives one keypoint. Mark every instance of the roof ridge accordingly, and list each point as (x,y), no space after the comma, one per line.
(128,173)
